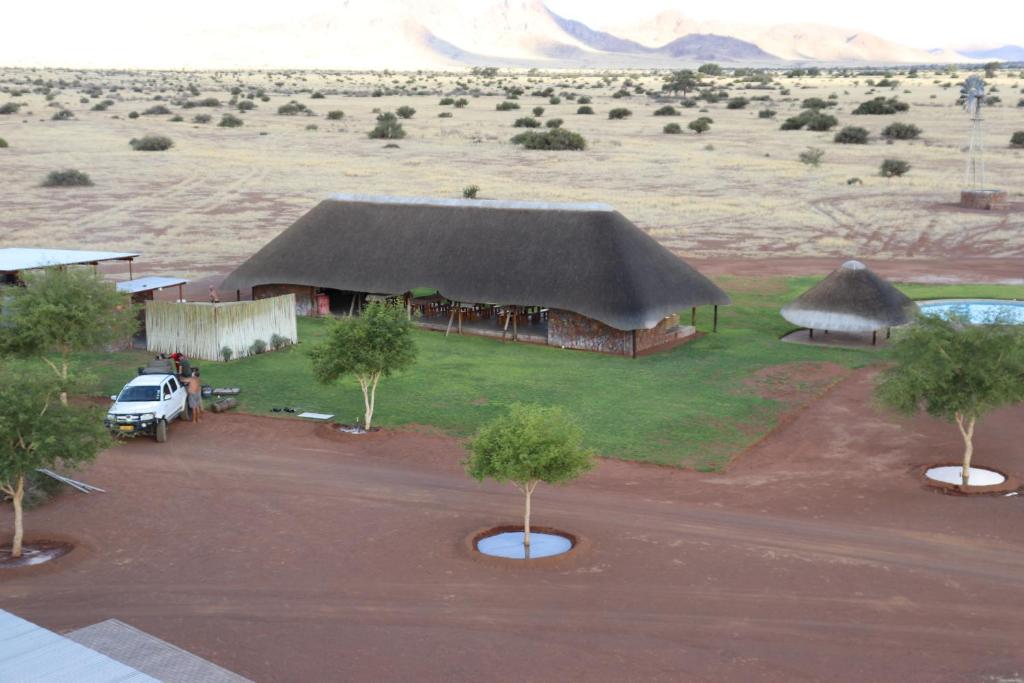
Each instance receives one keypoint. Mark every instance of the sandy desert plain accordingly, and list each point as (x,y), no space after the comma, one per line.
(285,552)
(735,192)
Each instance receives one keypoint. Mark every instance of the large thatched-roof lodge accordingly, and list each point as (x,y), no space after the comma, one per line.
(852,299)
(577,276)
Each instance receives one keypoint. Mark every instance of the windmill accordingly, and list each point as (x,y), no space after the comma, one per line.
(972,94)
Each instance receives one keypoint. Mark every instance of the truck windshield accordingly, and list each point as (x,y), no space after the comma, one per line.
(139,394)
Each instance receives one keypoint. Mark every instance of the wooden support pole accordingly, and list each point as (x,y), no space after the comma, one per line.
(451,319)
(238,295)
(693,316)
(460,317)
(181,293)
(352,305)
(504,330)
(811,330)
(515,323)
(888,332)
(714,327)
(874,337)
(130,276)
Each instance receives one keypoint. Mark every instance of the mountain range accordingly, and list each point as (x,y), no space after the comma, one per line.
(446,34)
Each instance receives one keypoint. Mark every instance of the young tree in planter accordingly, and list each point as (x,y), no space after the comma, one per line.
(37,430)
(529,445)
(370,346)
(955,371)
(64,311)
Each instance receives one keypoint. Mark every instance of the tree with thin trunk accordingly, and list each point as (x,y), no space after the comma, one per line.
(38,431)
(529,445)
(62,311)
(955,371)
(373,345)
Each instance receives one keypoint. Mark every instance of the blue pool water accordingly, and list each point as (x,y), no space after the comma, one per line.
(978,311)
(510,545)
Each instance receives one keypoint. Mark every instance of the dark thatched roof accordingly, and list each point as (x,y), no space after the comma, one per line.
(851,299)
(585,258)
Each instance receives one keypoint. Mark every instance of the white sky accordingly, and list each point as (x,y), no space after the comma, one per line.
(124,26)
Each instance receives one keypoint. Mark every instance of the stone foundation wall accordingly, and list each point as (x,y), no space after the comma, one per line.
(573,331)
(304,299)
(667,331)
(988,200)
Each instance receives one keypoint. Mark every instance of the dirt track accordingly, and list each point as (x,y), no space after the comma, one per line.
(288,557)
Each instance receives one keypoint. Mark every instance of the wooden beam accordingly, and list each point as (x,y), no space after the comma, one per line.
(693,316)
(451,319)
(714,327)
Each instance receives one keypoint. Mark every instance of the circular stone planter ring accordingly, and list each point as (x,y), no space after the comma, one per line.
(948,478)
(503,546)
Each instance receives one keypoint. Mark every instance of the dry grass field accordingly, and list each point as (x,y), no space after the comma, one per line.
(737,191)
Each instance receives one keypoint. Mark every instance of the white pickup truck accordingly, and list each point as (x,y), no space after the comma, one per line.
(147,405)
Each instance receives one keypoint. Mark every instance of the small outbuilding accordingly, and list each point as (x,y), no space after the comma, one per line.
(851,300)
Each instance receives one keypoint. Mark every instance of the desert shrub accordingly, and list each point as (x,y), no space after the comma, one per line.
(538,111)
(317,96)
(67,178)
(259,346)
(555,100)
(103,105)
(151,143)
(585,109)
(1020,103)
(688,103)
(766,114)
(10,107)
(133,115)
(554,123)
(246,105)
(226,353)
(667,110)
(277,342)
(335,115)
(470,191)
(619,113)
(901,131)
(3,143)
(852,135)
(388,127)
(672,129)
(526,122)
(506,106)
(445,115)
(993,100)
(620,94)
(405,112)
(157,110)
(447,101)
(894,168)
(62,115)
(177,118)
(737,103)
(810,119)
(230,121)
(701,125)
(881,106)
(812,156)
(202,118)
(293,108)
(461,102)
(854,181)
(816,103)
(1017,139)
(584,99)
(554,139)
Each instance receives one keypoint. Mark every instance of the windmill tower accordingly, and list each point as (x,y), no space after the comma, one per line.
(977,196)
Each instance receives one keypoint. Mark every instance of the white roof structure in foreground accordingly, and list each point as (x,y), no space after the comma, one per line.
(13,259)
(30,653)
(146,284)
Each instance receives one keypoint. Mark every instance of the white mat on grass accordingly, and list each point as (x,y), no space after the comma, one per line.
(316,416)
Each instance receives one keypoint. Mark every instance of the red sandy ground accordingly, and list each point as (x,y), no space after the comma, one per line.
(286,556)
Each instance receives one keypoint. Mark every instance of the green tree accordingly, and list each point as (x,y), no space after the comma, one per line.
(37,430)
(370,346)
(683,79)
(701,125)
(61,311)
(388,127)
(529,445)
(710,69)
(955,371)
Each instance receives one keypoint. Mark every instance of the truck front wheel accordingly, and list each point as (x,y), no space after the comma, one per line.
(161,431)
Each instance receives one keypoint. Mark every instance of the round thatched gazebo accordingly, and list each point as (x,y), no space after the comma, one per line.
(851,299)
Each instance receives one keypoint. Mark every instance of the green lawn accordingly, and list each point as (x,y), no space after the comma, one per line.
(687,407)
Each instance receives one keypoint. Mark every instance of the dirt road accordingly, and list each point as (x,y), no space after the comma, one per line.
(286,556)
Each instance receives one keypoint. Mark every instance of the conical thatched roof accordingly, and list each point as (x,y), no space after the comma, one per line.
(851,299)
(585,258)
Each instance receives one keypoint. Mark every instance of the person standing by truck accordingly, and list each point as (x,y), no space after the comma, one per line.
(195,396)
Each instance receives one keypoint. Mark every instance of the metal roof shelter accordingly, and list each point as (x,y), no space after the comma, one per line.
(16,259)
(149,284)
(30,653)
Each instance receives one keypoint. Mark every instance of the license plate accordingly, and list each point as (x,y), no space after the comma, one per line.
(126,428)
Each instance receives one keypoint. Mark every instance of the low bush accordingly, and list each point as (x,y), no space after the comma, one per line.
(335,115)
(901,131)
(672,129)
(894,168)
(812,156)
(554,139)
(226,353)
(205,102)
(554,123)
(62,115)
(619,113)
(667,110)
(317,96)
(259,346)
(151,143)
(444,115)
(277,342)
(586,100)
(1017,139)
(293,108)
(701,125)
(447,101)
(737,103)
(555,100)
(230,121)
(10,107)
(133,115)
(811,120)
(585,109)
(387,128)
(881,106)
(67,178)
(461,102)
(157,110)
(538,111)
(852,135)
(202,118)
(687,103)
(3,143)
(506,106)
(816,103)
(470,191)
(405,112)
(246,105)
(102,106)
(526,122)
(766,114)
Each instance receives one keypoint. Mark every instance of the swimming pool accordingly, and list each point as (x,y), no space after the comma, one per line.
(978,311)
